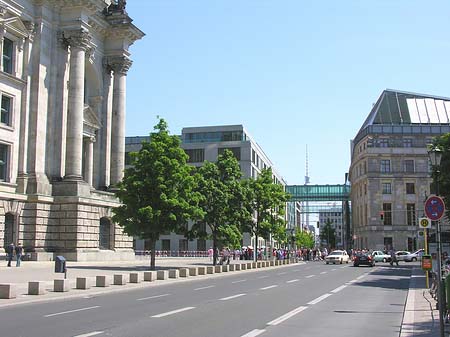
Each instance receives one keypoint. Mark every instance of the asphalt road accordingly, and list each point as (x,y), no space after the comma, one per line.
(311,299)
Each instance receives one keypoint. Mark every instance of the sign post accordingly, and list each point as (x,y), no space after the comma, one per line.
(425,223)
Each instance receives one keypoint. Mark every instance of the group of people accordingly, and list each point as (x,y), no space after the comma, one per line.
(11,251)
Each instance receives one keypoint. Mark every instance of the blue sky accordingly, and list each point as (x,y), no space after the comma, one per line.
(293,72)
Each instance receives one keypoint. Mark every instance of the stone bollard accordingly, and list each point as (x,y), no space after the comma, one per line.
(184,272)
(218,269)
(249,265)
(237,267)
(102,281)
(36,288)
(284,261)
(193,271)
(60,286)
(225,268)
(210,269)
(272,263)
(174,273)
(243,266)
(83,283)
(135,278)
(149,276)
(161,274)
(254,265)
(8,291)
(201,270)
(259,264)
(231,267)
(119,280)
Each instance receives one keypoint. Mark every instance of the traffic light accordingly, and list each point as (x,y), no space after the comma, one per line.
(382,216)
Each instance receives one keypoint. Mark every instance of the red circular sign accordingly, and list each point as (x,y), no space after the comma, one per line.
(434,208)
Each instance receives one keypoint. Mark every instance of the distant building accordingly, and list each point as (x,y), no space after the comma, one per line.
(207,143)
(335,218)
(390,169)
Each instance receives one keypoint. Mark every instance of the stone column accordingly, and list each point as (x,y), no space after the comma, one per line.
(120,66)
(79,41)
(89,159)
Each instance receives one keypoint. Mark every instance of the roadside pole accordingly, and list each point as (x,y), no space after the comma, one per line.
(425,234)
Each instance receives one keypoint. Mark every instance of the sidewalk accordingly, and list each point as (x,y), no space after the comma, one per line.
(420,318)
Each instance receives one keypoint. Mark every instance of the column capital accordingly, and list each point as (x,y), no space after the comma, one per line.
(119,64)
(77,38)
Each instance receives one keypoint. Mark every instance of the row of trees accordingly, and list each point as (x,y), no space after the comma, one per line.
(161,193)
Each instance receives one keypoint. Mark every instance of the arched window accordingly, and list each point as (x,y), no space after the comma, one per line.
(9,229)
(105,234)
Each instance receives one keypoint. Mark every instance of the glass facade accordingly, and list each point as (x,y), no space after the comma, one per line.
(195,155)
(214,137)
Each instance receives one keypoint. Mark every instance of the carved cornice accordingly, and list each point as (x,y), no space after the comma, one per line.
(92,6)
(78,38)
(119,64)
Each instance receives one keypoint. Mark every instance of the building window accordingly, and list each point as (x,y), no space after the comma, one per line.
(8,55)
(385,166)
(236,151)
(407,142)
(387,210)
(195,155)
(165,244)
(411,214)
(105,234)
(4,162)
(383,142)
(183,245)
(388,243)
(5,116)
(410,188)
(386,188)
(409,166)
(9,229)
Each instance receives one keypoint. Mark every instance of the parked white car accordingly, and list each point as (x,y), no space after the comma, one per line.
(401,255)
(417,255)
(337,256)
(379,256)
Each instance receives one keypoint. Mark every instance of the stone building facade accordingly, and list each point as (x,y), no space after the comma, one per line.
(390,171)
(62,127)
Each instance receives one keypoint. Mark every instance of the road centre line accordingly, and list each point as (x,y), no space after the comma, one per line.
(269,287)
(94,333)
(148,298)
(360,277)
(287,316)
(291,281)
(253,333)
(324,272)
(201,288)
(334,269)
(238,281)
(265,276)
(309,276)
(231,297)
(334,291)
(318,299)
(282,273)
(172,312)
(70,311)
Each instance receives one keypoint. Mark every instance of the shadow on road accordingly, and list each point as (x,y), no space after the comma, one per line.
(395,277)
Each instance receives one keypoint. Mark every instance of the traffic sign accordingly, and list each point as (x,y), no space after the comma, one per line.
(434,208)
(424,223)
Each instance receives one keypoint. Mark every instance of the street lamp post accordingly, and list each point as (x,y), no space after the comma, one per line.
(435,155)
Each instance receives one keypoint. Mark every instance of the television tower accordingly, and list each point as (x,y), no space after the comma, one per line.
(305,205)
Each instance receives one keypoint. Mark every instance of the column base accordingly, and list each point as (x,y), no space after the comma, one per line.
(34,183)
(69,187)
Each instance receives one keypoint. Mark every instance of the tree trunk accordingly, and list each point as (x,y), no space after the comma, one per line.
(152,254)
(214,237)
(255,251)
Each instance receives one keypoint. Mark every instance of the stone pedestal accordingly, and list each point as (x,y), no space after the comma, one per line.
(60,286)
(7,291)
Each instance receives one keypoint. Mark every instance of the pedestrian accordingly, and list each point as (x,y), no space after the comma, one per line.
(393,258)
(19,254)
(10,253)
(210,253)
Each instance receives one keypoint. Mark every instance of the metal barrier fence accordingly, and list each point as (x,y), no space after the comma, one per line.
(174,253)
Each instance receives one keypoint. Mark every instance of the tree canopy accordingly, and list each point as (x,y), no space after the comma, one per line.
(443,172)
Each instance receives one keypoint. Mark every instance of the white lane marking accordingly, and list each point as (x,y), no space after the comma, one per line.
(296,270)
(269,287)
(339,289)
(282,273)
(263,276)
(201,288)
(94,333)
(334,269)
(318,299)
(149,298)
(291,281)
(324,272)
(287,316)
(253,333)
(360,277)
(238,281)
(309,276)
(70,311)
(231,297)
(172,312)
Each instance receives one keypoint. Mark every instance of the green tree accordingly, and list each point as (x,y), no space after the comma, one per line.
(328,234)
(304,239)
(443,172)
(158,192)
(266,199)
(222,199)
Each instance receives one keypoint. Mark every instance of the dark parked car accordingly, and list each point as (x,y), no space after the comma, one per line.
(363,259)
